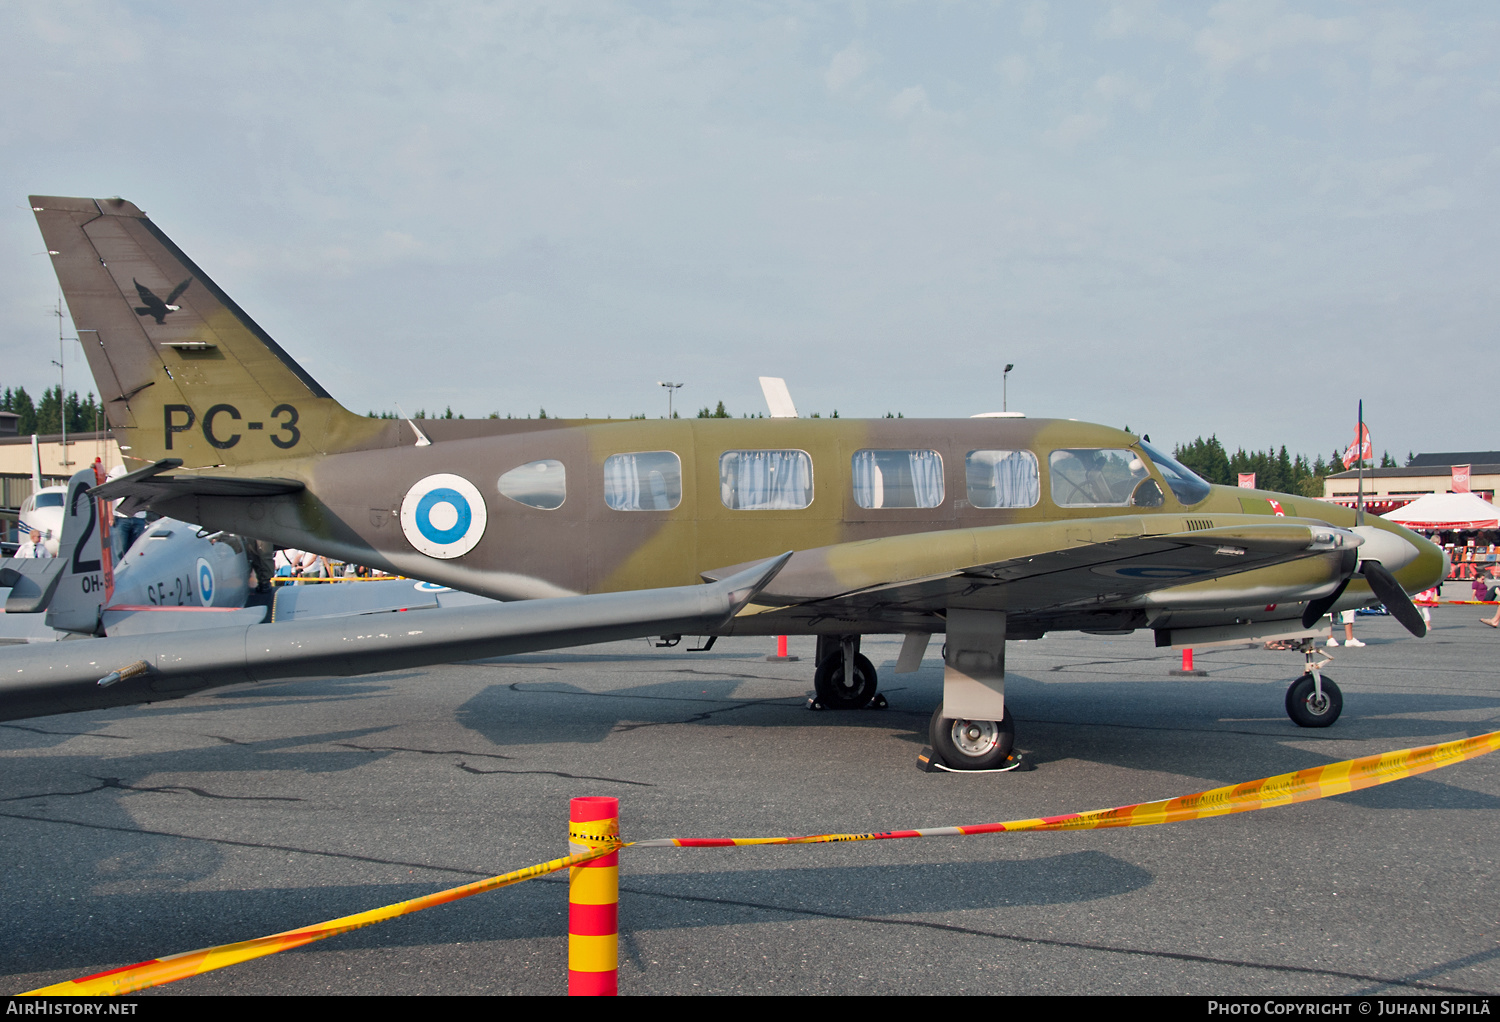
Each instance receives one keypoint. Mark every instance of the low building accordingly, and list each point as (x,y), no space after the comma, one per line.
(1386,489)
(57,466)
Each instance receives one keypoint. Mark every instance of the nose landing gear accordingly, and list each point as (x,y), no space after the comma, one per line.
(1313,700)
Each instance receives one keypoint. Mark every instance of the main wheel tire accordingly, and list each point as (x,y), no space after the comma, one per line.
(835,693)
(972,744)
(1303,706)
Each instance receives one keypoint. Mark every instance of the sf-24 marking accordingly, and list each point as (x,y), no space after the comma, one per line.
(176,593)
(181,418)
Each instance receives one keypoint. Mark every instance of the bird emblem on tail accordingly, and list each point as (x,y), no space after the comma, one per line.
(155,307)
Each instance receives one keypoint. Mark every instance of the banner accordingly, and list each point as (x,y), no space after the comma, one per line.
(1247,480)
(1461,478)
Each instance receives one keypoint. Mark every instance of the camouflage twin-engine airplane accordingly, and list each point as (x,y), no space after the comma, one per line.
(981,529)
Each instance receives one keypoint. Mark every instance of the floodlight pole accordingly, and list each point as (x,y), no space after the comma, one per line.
(1004,387)
(670,388)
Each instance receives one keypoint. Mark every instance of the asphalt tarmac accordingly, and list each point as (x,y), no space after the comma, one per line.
(132,834)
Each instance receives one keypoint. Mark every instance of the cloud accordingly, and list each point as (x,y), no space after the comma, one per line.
(909,101)
(1252,32)
(1123,89)
(847,67)
(1075,128)
(1015,69)
(1034,21)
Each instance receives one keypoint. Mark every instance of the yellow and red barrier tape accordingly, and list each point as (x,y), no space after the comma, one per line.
(1267,793)
(159,971)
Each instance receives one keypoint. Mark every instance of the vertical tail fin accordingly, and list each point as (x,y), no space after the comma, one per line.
(83,552)
(182,371)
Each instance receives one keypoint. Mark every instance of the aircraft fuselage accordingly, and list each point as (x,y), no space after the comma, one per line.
(641,504)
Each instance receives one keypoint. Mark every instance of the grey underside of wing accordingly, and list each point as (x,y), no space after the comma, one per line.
(1086,576)
(65,678)
(341,599)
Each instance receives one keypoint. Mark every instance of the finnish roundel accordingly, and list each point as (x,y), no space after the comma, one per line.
(443,516)
(205,573)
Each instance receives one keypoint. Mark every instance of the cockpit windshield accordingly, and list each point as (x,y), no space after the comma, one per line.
(1186,485)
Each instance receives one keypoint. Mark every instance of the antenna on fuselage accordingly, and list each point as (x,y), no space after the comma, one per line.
(422,440)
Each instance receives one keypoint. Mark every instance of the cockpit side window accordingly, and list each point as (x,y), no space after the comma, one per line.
(1186,486)
(1095,477)
(647,481)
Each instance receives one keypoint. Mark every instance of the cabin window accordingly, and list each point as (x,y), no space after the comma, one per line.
(898,478)
(765,480)
(1003,478)
(542,484)
(49,500)
(1095,477)
(646,481)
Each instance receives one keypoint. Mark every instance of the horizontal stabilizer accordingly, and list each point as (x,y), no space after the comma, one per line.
(31,581)
(144,486)
(152,620)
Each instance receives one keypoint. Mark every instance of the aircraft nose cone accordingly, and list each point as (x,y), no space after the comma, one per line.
(1391,550)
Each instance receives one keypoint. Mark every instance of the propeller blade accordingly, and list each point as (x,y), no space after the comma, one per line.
(1394,597)
(1317,608)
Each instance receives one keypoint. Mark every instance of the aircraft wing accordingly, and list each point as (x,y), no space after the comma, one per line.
(98,673)
(1041,567)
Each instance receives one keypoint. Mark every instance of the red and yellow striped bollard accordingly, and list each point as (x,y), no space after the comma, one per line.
(594,899)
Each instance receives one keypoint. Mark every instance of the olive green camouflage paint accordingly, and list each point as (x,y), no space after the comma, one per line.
(184,373)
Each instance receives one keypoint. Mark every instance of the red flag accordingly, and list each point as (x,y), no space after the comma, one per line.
(1247,480)
(1461,478)
(1360,449)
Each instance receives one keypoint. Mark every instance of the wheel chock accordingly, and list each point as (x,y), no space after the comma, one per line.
(929,762)
(815,704)
(878,703)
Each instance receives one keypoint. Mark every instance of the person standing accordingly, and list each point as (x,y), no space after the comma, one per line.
(1349,639)
(1484,591)
(262,557)
(33,547)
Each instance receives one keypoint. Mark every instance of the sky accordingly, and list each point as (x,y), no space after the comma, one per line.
(1190,219)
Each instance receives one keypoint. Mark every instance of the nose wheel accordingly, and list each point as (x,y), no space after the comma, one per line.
(1313,700)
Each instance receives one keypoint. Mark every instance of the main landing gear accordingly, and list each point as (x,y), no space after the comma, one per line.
(1313,700)
(972,744)
(845,679)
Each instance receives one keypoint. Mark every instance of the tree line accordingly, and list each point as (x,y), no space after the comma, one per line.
(717,412)
(1274,470)
(84,415)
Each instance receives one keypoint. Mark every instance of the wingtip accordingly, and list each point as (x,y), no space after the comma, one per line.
(744,586)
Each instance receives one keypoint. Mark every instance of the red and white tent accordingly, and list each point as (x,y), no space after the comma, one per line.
(1456,511)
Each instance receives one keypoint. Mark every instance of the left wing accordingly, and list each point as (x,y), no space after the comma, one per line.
(98,673)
